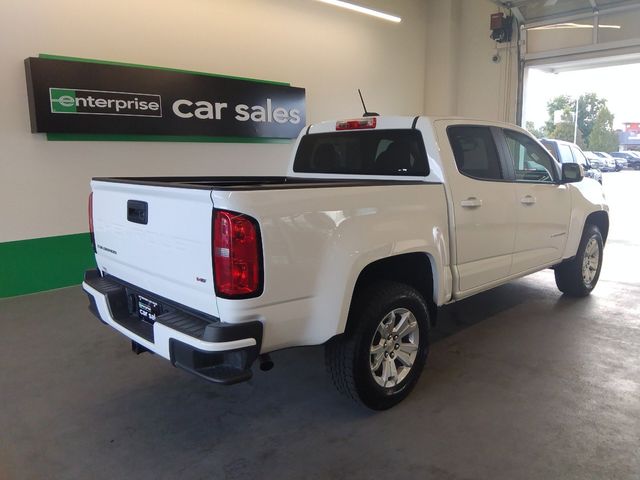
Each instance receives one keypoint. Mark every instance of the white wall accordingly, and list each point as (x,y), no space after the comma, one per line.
(461,79)
(329,51)
(437,61)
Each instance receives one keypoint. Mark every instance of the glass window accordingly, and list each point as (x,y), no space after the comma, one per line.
(531,162)
(560,35)
(475,152)
(565,153)
(579,157)
(618,27)
(372,152)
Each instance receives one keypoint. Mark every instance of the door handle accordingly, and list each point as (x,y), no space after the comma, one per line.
(471,202)
(528,200)
(137,211)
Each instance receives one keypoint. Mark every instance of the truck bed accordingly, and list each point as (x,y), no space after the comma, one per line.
(251,183)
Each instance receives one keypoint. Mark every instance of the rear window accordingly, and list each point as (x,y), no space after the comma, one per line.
(381,152)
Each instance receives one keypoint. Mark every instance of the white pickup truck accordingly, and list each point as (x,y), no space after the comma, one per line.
(379,221)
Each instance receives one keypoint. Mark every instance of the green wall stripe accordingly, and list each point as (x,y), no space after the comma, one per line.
(35,265)
(152,67)
(103,137)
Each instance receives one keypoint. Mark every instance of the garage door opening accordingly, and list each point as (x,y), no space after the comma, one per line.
(605,97)
(562,36)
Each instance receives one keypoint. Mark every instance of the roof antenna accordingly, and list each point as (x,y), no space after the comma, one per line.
(366,113)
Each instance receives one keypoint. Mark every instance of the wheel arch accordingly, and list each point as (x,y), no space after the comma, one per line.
(601,220)
(416,269)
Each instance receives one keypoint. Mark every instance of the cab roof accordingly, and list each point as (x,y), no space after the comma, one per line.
(404,121)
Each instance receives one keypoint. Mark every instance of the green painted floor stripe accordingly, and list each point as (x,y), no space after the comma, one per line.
(35,265)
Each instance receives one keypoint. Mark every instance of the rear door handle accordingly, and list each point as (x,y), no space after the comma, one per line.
(471,202)
(528,200)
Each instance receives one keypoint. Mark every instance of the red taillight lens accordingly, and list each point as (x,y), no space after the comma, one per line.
(91,234)
(236,255)
(356,124)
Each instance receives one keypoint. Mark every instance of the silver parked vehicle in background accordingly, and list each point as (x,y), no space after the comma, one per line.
(595,161)
(612,163)
(566,152)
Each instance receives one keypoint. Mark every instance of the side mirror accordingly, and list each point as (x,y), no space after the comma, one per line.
(572,172)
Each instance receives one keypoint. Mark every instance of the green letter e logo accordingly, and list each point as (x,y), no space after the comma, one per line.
(63,100)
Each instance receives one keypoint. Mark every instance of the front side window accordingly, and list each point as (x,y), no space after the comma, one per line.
(475,152)
(531,162)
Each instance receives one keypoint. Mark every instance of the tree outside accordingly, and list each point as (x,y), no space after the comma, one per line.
(564,131)
(603,138)
(536,132)
(564,104)
(590,107)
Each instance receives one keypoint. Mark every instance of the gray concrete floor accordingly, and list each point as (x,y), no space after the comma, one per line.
(521,384)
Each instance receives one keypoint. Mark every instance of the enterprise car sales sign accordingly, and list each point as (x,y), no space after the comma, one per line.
(85,97)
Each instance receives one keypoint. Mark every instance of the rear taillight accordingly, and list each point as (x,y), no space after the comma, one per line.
(356,124)
(91,234)
(237,257)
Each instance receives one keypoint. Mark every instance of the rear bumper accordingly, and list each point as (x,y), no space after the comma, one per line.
(216,351)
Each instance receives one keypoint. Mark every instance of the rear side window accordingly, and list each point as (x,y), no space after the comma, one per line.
(475,152)
(381,152)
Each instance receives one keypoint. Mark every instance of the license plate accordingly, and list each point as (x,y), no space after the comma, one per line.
(148,310)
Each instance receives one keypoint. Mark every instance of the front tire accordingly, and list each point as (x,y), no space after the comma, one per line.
(378,361)
(579,276)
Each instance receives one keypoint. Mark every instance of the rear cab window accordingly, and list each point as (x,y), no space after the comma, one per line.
(398,152)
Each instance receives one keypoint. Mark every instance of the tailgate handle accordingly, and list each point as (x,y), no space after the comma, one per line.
(137,211)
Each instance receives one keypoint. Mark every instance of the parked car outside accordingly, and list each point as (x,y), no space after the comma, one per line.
(621,163)
(594,160)
(622,158)
(566,152)
(610,162)
(635,161)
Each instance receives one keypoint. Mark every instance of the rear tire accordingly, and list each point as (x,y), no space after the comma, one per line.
(579,276)
(378,361)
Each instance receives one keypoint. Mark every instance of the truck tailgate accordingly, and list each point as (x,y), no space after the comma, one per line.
(168,253)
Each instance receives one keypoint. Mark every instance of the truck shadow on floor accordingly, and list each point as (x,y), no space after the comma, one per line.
(536,290)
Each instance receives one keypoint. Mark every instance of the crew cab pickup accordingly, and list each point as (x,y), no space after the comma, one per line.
(378,222)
